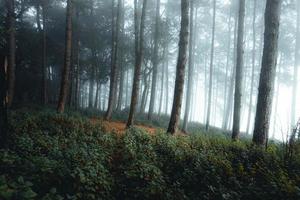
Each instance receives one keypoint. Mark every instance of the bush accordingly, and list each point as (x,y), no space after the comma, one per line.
(57,157)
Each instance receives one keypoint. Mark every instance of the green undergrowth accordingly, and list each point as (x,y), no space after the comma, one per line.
(54,156)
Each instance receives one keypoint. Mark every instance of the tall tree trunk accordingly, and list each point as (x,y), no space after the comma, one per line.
(122,51)
(155,62)
(77,61)
(139,54)
(11,50)
(227,64)
(3,102)
(67,60)
(277,96)
(228,113)
(296,65)
(44,69)
(114,62)
(239,73)
(180,69)
(167,80)
(253,67)
(190,70)
(162,85)
(211,67)
(267,75)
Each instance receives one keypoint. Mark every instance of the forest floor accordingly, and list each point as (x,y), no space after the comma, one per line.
(119,127)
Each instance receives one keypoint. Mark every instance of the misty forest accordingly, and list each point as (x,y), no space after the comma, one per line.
(149,99)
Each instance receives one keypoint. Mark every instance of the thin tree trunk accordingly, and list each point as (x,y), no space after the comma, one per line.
(67,60)
(155,62)
(267,75)
(162,86)
(227,64)
(229,102)
(211,67)
(296,65)
(190,70)
(11,50)
(77,57)
(97,95)
(114,62)
(44,69)
(253,68)
(180,69)
(239,73)
(3,102)
(277,96)
(139,54)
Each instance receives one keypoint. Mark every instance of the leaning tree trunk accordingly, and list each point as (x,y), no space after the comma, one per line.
(114,62)
(139,54)
(11,50)
(190,70)
(239,73)
(180,69)
(211,67)
(155,62)
(3,102)
(296,65)
(267,75)
(253,68)
(67,60)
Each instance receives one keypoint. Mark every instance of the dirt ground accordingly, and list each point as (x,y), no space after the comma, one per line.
(119,127)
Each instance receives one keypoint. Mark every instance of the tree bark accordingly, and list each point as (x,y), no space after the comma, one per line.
(3,102)
(155,62)
(180,69)
(190,70)
(122,50)
(239,72)
(253,67)
(211,67)
(67,60)
(296,65)
(139,54)
(11,50)
(114,62)
(267,75)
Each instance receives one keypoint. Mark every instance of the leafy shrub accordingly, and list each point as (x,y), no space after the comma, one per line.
(58,157)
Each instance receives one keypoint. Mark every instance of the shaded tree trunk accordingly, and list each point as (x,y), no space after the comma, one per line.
(211,68)
(239,73)
(122,51)
(155,62)
(296,65)
(44,91)
(139,54)
(180,69)
(190,70)
(67,60)
(11,76)
(77,61)
(3,102)
(253,68)
(267,75)
(114,62)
